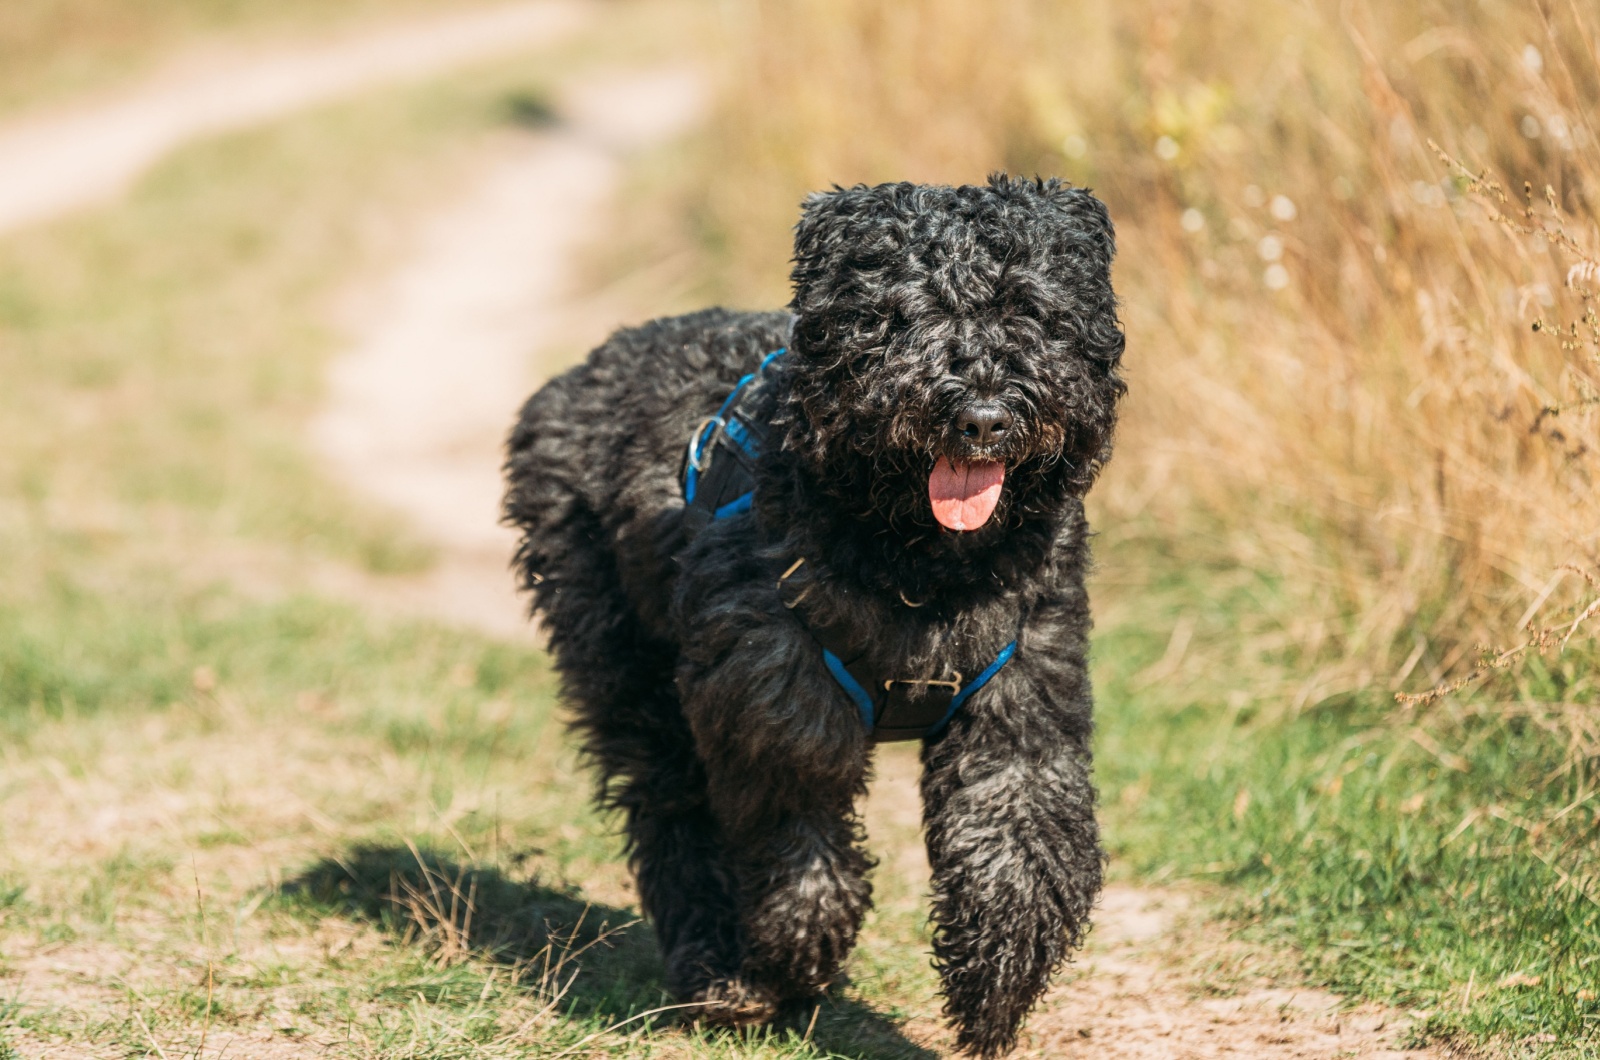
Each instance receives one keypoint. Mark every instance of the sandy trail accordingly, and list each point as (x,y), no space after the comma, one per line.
(62,160)
(446,348)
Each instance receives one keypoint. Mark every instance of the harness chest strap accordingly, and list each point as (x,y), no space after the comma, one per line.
(892,708)
(878,712)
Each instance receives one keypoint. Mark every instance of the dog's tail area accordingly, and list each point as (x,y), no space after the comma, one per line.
(543,500)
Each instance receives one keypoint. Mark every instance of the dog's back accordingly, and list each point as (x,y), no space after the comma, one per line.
(594,466)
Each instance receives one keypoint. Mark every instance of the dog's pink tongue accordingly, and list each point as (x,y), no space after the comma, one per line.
(964,497)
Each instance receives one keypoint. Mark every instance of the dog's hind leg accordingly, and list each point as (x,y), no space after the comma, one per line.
(1012,840)
(618,680)
(631,728)
(676,851)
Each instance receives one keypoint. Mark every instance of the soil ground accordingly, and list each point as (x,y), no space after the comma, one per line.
(446,348)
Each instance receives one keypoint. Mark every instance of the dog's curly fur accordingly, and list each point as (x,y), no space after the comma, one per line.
(734,756)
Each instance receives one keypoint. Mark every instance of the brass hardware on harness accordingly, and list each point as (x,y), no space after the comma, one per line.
(791,604)
(907,602)
(954,684)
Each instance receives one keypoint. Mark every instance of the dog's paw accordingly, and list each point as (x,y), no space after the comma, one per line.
(989,1032)
(732,1002)
(985,1043)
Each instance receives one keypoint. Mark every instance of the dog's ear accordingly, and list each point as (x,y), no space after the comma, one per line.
(1082,218)
(820,231)
(842,231)
(1089,218)
(1076,244)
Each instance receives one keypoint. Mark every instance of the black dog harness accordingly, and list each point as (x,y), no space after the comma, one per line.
(719,479)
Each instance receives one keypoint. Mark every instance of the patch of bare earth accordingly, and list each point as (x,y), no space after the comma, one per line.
(1157,980)
(156,797)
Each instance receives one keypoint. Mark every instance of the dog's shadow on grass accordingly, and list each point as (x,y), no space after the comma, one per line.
(603,959)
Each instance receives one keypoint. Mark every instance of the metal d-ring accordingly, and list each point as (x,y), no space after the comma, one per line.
(907,602)
(699,455)
(953,685)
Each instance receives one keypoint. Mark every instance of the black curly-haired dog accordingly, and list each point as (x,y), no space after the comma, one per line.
(896,548)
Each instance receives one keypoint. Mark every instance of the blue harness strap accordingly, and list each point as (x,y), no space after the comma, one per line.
(719,483)
(871,707)
(847,681)
(976,683)
(741,503)
(723,426)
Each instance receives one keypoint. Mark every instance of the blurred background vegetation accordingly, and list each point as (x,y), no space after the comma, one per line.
(1359,254)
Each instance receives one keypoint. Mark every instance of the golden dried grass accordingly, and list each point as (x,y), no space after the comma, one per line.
(1334,375)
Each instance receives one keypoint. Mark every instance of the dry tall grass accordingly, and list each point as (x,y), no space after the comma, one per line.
(1334,373)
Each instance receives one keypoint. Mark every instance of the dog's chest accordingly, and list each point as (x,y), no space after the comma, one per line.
(908,669)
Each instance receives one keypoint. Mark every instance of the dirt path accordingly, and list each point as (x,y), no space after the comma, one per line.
(65,159)
(447,347)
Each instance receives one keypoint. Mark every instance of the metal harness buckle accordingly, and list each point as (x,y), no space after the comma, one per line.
(791,604)
(954,685)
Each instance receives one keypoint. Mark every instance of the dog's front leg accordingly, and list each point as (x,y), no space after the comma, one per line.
(785,761)
(1012,839)
(803,893)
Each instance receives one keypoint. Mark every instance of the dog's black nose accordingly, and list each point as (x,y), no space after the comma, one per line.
(983,422)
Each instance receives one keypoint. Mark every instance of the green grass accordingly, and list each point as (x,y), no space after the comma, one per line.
(80,653)
(1404,853)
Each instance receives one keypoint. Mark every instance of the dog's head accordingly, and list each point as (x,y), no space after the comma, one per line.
(956,353)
